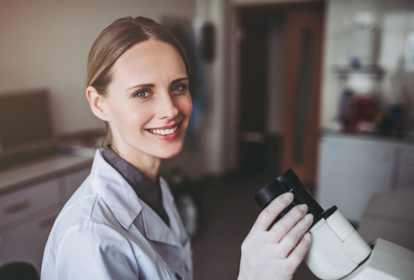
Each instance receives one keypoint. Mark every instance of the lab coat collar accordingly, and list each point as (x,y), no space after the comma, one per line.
(125,204)
(115,191)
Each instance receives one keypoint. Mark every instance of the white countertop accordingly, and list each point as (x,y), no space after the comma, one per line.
(366,136)
(24,175)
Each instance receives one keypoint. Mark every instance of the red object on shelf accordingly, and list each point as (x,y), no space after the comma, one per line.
(361,113)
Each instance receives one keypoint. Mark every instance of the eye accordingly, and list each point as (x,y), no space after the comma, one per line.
(179,87)
(141,93)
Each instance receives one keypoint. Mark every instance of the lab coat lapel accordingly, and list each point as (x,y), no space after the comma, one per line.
(126,206)
(155,228)
(175,220)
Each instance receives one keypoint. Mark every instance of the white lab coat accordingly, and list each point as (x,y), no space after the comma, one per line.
(106,232)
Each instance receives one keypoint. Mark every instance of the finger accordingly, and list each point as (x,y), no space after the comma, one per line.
(292,238)
(269,214)
(284,225)
(298,254)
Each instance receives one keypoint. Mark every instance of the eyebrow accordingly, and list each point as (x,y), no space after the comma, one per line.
(153,85)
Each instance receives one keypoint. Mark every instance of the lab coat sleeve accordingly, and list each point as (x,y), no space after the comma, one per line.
(95,251)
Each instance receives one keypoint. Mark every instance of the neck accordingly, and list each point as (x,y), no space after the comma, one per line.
(146,164)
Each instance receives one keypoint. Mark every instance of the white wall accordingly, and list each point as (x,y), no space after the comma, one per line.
(45,44)
(395,20)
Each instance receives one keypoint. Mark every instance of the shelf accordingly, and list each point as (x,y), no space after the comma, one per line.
(345,71)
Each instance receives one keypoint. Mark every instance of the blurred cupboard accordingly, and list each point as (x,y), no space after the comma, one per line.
(353,168)
(31,197)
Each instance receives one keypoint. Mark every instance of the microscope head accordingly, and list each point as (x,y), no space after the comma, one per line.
(336,248)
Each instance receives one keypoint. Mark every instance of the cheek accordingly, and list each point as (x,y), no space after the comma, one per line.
(131,116)
(140,115)
(185,106)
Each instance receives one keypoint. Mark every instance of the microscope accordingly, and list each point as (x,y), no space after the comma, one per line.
(337,250)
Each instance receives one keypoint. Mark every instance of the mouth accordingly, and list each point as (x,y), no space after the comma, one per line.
(166,130)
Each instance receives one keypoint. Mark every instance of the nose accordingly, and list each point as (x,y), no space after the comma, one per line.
(167,108)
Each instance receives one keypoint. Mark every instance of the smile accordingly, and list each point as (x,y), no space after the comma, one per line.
(164,131)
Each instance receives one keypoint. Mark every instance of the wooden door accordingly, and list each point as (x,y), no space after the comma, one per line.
(303,48)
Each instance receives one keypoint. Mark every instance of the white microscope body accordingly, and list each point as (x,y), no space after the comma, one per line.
(337,250)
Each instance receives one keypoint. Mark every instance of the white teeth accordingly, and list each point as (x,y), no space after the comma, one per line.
(164,132)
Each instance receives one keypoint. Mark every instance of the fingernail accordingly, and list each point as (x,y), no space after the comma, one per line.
(308,217)
(308,237)
(287,196)
(303,207)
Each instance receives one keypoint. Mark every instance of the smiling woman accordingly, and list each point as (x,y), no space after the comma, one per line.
(147,99)
(122,222)
(138,84)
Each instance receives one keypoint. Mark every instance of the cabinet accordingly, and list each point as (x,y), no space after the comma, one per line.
(28,201)
(31,197)
(352,168)
(406,167)
(26,242)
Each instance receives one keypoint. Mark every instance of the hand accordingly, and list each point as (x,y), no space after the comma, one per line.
(276,253)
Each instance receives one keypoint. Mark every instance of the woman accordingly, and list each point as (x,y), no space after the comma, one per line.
(122,222)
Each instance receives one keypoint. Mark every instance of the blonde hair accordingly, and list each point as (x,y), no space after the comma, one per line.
(117,38)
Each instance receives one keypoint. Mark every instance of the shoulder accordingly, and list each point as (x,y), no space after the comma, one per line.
(89,250)
(87,236)
(86,209)
(91,228)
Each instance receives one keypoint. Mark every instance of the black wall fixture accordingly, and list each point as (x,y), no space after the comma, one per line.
(208,42)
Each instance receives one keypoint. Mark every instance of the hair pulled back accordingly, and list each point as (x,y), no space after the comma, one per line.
(116,39)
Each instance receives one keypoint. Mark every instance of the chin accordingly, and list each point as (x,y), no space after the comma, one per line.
(169,153)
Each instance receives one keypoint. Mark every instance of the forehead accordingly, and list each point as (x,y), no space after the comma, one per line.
(149,61)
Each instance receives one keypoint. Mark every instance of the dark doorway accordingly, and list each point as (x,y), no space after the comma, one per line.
(254,48)
(280,61)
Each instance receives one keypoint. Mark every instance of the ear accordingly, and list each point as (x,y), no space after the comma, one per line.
(97,103)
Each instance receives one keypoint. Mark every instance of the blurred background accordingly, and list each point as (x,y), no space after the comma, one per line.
(323,87)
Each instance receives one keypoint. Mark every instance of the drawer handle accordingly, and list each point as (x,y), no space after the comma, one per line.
(48,222)
(20,206)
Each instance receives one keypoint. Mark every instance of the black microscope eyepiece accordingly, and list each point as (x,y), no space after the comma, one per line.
(269,192)
(289,178)
(290,182)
